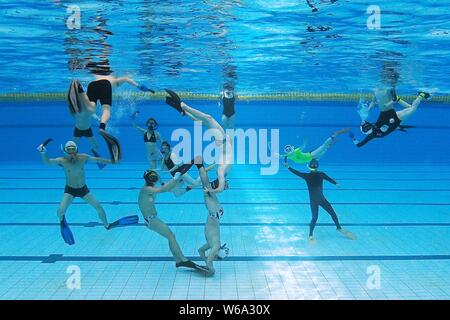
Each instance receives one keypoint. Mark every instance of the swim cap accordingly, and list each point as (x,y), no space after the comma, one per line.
(288,148)
(70,147)
(151,177)
(154,126)
(313,165)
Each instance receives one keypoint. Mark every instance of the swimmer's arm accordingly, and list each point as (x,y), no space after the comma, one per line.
(165,188)
(330,180)
(126,80)
(54,161)
(142,130)
(98,160)
(297,173)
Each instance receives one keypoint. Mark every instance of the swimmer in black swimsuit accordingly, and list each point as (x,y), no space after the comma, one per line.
(389,120)
(227,101)
(73,166)
(151,137)
(314,180)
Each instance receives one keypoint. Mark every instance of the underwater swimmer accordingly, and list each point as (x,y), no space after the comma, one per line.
(151,138)
(298,156)
(222,140)
(389,120)
(73,165)
(147,199)
(314,180)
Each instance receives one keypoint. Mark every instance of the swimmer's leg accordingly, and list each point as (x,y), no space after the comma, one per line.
(208,120)
(94,143)
(409,109)
(314,217)
(202,251)
(90,199)
(162,229)
(84,99)
(212,235)
(329,209)
(64,205)
(320,152)
(106,115)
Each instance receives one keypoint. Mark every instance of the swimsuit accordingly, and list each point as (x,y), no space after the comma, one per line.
(77,192)
(216,215)
(151,139)
(100,90)
(78,133)
(228,107)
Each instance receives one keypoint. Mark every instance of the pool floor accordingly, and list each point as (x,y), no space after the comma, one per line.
(400,214)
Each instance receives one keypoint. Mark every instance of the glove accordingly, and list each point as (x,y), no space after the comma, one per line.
(41,149)
(145,89)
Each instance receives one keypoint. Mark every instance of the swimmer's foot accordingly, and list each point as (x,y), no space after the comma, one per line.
(424,95)
(202,254)
(342,131)
(174,101)
(211,270)
(347,234)
(311,239)
(352,136)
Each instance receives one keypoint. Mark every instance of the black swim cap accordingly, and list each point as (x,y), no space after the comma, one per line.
(150,177)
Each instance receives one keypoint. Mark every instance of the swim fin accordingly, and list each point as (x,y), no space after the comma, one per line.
(125,221)
(72,98)
(404,127)
(113,146)
(174,101)
(191,265)
(66,233)
(100,165)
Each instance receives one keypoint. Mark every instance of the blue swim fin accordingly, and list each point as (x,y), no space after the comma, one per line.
(100,165)
(66,233)
(125,221)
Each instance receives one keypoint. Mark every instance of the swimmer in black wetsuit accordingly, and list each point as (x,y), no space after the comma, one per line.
(151,137)
(227,101)
(314,180)
(389,120)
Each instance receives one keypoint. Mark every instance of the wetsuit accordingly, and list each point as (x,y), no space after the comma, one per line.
(151,139)
(228,107)
(383,120)
(100,90)
(314,180)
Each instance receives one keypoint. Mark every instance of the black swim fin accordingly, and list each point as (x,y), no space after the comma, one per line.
(174,101)
(113,146)
(404,127)
(72,98)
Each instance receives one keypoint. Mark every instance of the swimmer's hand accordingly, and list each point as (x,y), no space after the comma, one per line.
(42,149)
(145,89)
(134,115)
(177,176)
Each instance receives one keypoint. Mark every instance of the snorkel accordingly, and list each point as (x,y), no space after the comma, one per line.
(70,149)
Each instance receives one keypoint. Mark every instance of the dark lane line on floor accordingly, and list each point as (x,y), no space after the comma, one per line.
(231,178)
(257,189)
(53,258)
(233,224)
(115,203)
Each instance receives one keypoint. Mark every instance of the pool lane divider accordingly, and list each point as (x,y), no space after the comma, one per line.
(54,258)
(243,96)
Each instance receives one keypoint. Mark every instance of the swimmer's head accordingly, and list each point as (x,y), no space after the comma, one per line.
(288,148)
(165,147)
(313,165)
(151,177)
(152,124)
(70,148)
(215,184)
